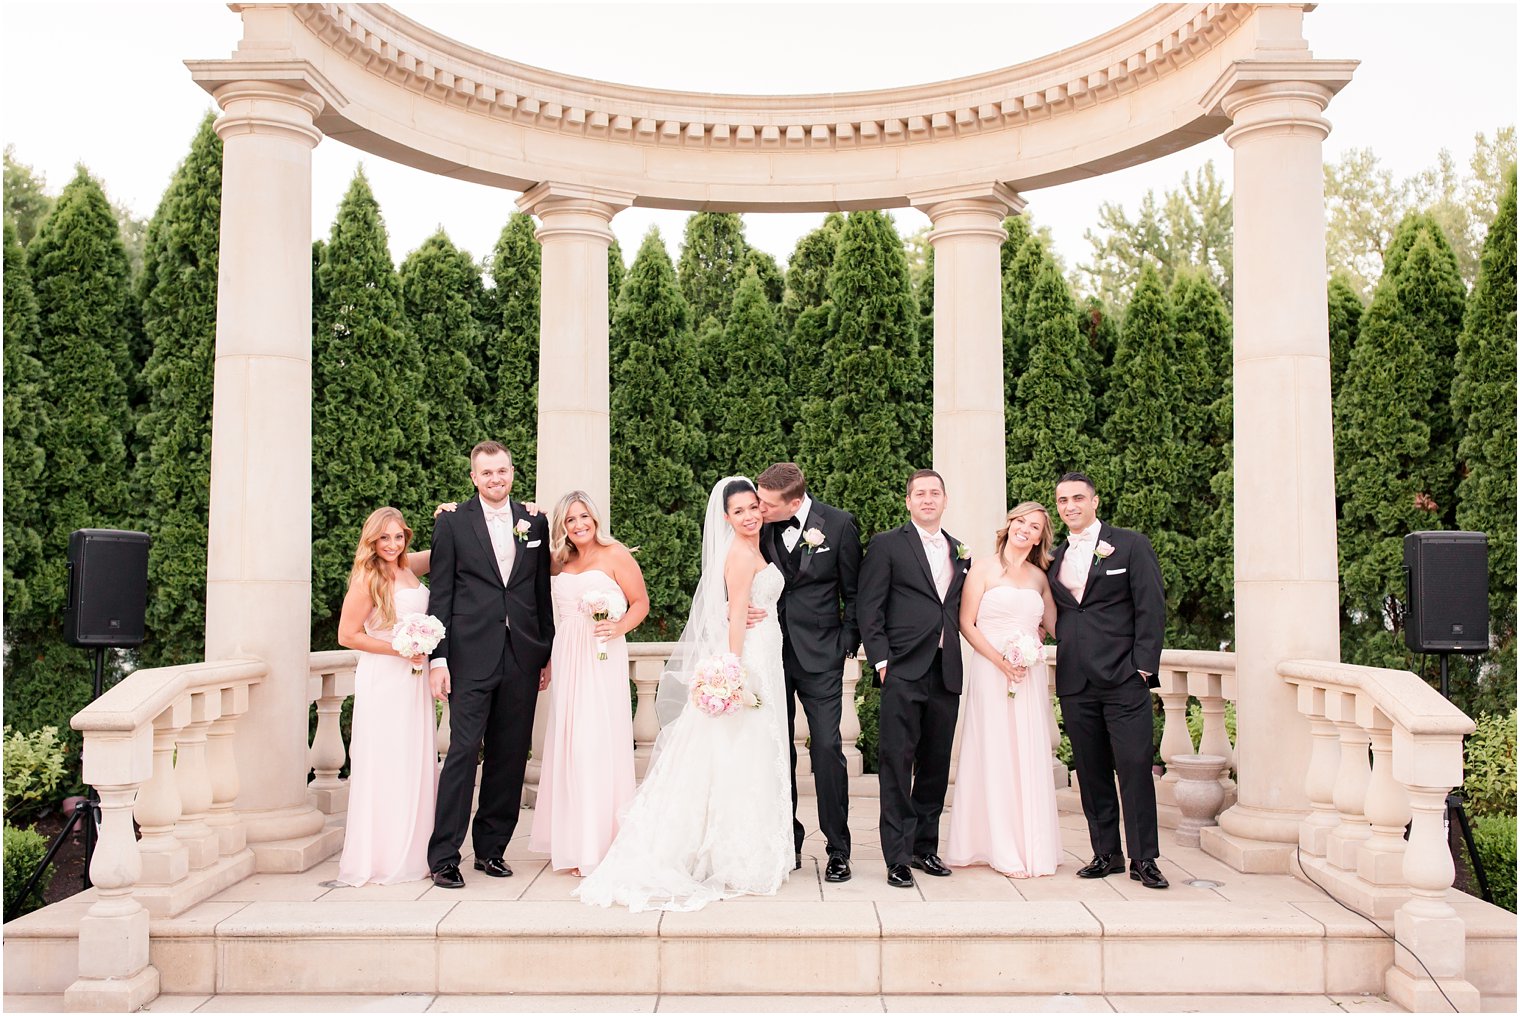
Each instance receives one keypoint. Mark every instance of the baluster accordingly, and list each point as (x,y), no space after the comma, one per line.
(193,776)
(441,741)
(849,720)
(1427,926)
(221,760)
(1175,739)
(1058,771)
(164,858)
(1382,857)
(114,974)
(646,724)
(1216,735)
(328,793)
(1319,783)
(1350,795)
(800,734)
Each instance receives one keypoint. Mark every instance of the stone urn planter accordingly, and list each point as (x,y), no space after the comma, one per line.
(1200,795)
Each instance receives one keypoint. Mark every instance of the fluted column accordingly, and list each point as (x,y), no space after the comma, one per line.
(258,588)
(967,236)
(1286,599)
(574,375)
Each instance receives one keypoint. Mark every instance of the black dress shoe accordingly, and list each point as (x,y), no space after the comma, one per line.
(930,864)
(1101,865)
(448,877)
(1147,874)
(838,869)
(899,877)
(798,865)
(493,866)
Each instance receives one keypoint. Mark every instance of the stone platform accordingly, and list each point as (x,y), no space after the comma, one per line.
(1071,942)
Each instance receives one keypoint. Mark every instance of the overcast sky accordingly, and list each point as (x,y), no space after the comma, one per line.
(104,84)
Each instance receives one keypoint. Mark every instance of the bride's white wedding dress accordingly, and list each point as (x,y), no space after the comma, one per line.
(713,817)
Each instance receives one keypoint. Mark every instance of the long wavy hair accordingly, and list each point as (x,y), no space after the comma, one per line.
(1039,554)
(560,547)
(371,569)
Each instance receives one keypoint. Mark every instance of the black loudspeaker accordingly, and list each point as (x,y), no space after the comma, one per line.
(108,588)
(1448,592)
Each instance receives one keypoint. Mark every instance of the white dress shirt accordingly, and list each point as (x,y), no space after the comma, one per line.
(1077,563)
(791,534)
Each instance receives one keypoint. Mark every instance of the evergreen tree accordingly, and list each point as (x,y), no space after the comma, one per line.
(1483,399)
(807,273)
(368,427)
(752,384)
(1018,279)
(1050,415)
(26,199)
(1140,430)
(615,272)
(26,415)
(805,317)
(1345,321)
(874,428)
(1101,329)
(81,282)
(713,258)
(509,405)
(1015,289)
(1382,442)
(702,396)
(772,279)
(655,500)
(172,478)
(441,293)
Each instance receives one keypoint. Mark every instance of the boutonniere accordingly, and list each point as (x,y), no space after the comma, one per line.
(813,538)
(962,552)
(521,530)
(1103,550)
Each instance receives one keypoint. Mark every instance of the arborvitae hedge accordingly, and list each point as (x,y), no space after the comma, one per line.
(26,414)
(172,478)
(713,258)
(1345,322)
(508,409)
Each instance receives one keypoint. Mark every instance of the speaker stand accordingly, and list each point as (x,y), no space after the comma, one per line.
(1456,811)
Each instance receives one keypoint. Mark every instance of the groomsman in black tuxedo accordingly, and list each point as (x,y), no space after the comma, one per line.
(1110,617)
(490,588)
(817,548)
(910,605)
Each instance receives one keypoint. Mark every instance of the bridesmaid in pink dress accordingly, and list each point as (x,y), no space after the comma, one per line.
(393,758)
(587,778)
(1004,814)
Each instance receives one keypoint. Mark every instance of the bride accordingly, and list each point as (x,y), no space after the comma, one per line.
(713,817)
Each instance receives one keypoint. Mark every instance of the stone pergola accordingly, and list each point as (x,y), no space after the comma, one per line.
(965,151)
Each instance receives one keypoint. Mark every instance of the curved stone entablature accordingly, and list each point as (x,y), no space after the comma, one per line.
(396,88)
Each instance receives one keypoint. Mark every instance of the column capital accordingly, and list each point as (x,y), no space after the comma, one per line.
(282,110)
(1273,97)
(992,198)
(572,210)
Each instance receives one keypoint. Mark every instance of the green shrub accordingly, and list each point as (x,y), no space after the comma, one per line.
(868,709)
(1490,762)
(25,848)
(1063,750)
(33,770)
(1494,836)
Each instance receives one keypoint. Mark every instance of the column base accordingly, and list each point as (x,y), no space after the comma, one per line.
(281,823)
(1421,994)
(112,994)
(299,853)
(1254,840)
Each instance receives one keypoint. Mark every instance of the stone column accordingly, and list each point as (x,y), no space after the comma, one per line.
(574,375)
(258,588)
(1286,598)
(968,355)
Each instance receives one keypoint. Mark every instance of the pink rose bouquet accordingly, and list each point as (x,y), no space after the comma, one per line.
(603,605)
(416,634)
(719,686)
(1022,651)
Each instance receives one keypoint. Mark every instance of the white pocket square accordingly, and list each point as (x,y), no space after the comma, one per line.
(823,550)
(534,544)
(1111,571)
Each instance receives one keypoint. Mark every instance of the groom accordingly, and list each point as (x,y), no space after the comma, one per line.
(817,548)
(910,605)
(490,588)
(1110,615)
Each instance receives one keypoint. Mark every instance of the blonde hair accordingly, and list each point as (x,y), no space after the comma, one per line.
(1042,548)
(370,569)
(560,547)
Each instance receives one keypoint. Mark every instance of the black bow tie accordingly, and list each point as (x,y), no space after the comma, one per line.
(792,523)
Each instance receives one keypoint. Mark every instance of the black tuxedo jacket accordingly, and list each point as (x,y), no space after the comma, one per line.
(475,601)
(1117,628)
(901,615)
(817,609)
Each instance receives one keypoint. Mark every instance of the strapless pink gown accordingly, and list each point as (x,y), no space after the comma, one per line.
(587,778)
(393,760)
(1004,812)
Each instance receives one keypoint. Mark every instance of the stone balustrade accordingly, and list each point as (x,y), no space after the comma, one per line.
(1386,751)
(159,747)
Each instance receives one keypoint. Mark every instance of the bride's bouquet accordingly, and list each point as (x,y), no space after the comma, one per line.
(603,605)
(720,686)
(1022,651)
(416,634)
